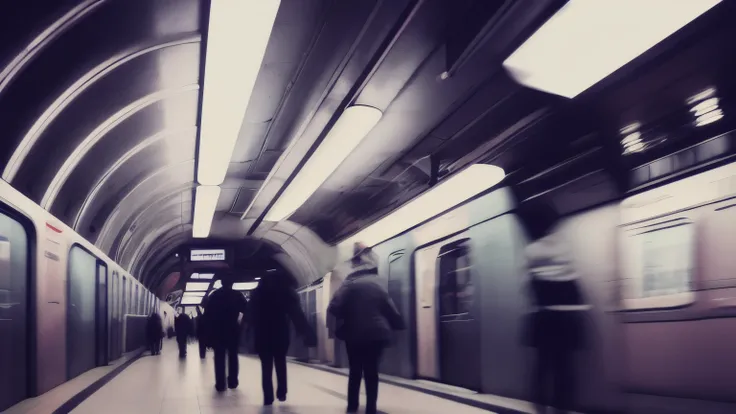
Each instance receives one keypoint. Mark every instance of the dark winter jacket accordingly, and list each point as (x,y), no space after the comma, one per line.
(272,307)
(221,316)
(154,328)
(183,325)
(363,308)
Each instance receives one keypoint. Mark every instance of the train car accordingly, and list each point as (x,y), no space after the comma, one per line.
(655,267)
(65,307)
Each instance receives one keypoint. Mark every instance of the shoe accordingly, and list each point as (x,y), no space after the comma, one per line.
(220,388)
(352,410)
(232,385)
(282,398)
(266,403)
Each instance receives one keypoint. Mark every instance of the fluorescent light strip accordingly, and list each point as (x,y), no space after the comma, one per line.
(197,286)
(205,202)
(206,276)
(585,41)
(447,194)
(354,124)
(187,300)
(194,294)
(237,39)
(245,285)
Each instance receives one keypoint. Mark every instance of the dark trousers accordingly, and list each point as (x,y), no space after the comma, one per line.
(554,371)
(182,342)
(269,361)
(154,346)
(202,349)
(229,351)
(363,358)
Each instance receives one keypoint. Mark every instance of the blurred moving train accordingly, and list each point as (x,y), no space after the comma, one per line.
(65,307)
(658,267)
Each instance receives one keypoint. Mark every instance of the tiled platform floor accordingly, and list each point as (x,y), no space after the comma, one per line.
(164,384)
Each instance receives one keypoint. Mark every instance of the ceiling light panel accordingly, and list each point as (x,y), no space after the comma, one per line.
(445,195)
(245,285)
(197,286)
(205,202)
(206,276)
(354,124)
(585,41)
(190,300)
(237,38)
(194,294)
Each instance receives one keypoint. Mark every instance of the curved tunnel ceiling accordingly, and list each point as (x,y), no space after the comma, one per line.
(100,103)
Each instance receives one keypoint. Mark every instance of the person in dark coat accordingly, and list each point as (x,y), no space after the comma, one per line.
(183,328)
(199,323)
(222,311)
(274,303)
(154,333)
(556,326)
(366,317)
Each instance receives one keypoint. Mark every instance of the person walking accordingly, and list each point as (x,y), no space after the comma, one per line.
(183,328)
(366,317)
(154,333)
(273,304)
(222,312)
(199,324)
(555,327)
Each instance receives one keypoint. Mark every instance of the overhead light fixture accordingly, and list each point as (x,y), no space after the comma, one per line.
(194,294)
(447,194)
(245,285)
(705,107)
(585,41)
(354,124)
(258,278)
(632,140)
(191,300)
(202,276)
(237,38)
(205,202)
(197,286)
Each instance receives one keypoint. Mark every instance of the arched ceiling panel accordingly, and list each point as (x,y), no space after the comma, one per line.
(113,216)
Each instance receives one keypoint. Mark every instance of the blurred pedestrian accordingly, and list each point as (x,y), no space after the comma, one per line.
(222,313)
(366,317)
(274,303)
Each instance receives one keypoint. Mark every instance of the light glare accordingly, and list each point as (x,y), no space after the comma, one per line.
(238,35)
(585,41)
(354,124)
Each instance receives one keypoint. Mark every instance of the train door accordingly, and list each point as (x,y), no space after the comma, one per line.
(101,315)
(14,321)
(81,312)
(448,329)
(459,328)
(112,304)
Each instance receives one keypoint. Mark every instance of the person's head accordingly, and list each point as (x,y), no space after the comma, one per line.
(227,278)
(538,218)
(363,254)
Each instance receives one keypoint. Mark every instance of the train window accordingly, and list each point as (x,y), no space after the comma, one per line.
(660,266)
(456,289)
(395,285)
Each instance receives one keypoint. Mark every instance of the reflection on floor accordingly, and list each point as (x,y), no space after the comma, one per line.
(164,384)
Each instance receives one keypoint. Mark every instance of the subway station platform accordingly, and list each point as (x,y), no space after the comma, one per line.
(164,384)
